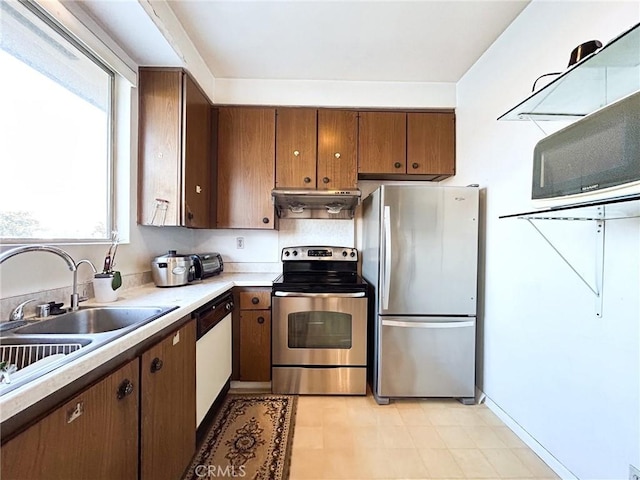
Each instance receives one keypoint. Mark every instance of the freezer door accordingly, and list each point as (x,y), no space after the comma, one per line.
(426,357)
(429,250)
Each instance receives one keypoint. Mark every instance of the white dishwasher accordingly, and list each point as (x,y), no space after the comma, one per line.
(213,352)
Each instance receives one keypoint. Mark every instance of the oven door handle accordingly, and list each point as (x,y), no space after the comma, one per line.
(320,295)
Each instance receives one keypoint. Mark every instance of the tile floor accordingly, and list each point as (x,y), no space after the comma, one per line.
(354,438)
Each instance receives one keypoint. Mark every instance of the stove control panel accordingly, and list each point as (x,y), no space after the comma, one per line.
(344,254)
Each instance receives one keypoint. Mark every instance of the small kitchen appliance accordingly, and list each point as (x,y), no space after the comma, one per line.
(208,264)
(173,270)
(319,323)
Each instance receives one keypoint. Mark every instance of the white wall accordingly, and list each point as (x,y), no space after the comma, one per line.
(569,379)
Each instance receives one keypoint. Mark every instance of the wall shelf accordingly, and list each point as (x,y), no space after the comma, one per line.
(599,212)
(608,75)
(616,208)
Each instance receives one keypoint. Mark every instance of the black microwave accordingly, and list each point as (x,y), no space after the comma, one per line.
(598,152)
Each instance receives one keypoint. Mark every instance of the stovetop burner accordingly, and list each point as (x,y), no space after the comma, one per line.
(320,269)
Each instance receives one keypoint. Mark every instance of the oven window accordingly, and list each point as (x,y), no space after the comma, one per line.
(319,329)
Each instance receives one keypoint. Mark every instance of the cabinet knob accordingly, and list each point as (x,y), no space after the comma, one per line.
(296,153)
(198,189)
(265,220)
(397,164)
(260,320)
(337,154)
(156,365)
(325,180)
(414,165)
(125,388)
(307,180)
(255,300)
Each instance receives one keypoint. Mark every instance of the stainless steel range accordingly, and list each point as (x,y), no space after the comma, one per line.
(319,323)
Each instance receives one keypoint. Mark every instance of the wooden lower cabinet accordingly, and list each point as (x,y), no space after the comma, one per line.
(94,435)
(252,340)
(168,406)
(140,419)
(255,345)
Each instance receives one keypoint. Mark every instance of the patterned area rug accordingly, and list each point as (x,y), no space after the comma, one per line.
(250,438)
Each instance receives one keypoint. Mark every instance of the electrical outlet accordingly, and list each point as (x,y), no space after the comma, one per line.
(634,473)
(239,242)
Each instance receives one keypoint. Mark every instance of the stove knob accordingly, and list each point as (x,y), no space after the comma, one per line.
(286,253)
(344,254)
(353,254)
(295,253)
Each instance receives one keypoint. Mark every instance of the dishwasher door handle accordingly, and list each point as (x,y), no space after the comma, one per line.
(396,323)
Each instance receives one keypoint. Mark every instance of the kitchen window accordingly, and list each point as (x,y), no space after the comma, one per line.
(57,127)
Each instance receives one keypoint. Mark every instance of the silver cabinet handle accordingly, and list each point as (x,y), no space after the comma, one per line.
(396,323)
(320,295)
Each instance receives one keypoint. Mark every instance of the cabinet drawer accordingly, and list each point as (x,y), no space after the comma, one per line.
(255,300)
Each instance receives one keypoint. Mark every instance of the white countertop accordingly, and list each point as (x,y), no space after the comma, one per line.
(187,298)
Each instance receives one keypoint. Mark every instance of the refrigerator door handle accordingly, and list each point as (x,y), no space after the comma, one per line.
(386,275)
(396,323)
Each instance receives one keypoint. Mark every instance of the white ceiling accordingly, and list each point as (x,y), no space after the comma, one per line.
(397,41)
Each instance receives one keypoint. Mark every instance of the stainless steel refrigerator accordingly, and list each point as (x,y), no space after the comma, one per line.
(419,253)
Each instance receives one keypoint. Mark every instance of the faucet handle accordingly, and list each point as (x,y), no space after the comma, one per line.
(18,312)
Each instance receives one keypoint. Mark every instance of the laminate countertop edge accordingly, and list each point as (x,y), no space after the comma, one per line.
(187,298)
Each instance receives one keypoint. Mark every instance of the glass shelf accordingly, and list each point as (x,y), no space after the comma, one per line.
(608,75)
(616,208)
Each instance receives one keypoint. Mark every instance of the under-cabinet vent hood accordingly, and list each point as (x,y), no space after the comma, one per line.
(308,203)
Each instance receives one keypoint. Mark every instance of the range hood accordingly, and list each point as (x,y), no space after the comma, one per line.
(310,203)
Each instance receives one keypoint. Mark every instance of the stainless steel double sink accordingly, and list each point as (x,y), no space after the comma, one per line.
(42,346)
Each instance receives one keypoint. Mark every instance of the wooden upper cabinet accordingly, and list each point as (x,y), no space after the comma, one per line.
(94,435)
(296,134)
(431,143)
(337,149)
(175,155)
(168,405)
(382,138)
(246,167)
(197,165)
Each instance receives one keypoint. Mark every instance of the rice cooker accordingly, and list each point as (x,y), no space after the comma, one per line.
(173,270)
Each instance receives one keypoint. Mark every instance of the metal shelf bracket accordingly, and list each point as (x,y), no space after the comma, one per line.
(596,289)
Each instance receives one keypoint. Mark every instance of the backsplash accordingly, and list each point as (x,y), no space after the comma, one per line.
(63,294)
(264,246)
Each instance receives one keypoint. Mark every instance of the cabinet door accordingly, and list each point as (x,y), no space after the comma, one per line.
(168,406)
(382,138)
(255,345)
(246,167)
(159,151)
(431,143)
(196,211)
(337,149)
(296,137)
(94,435)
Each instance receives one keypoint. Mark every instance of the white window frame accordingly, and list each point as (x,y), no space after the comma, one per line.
(83,30)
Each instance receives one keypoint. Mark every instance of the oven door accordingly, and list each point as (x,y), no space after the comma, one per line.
(321,329)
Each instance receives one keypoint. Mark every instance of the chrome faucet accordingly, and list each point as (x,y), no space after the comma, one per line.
(57,251)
